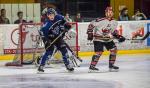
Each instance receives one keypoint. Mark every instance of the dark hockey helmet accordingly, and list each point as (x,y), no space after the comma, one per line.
(51,11)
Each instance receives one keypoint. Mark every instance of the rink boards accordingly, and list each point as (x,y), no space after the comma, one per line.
(86,54)
(125,28)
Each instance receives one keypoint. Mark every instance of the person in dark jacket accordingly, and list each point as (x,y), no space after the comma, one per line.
(20,18)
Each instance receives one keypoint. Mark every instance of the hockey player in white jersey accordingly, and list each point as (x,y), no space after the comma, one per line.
(102,32)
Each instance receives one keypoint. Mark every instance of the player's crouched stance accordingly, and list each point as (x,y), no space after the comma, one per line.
(102,32)
(54,29)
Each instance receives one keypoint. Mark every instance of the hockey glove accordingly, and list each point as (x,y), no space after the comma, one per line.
(121,39)
(90,33)
(90,36)
(67,26)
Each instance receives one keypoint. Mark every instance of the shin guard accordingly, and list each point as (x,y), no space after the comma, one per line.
(112,59)
(94,61)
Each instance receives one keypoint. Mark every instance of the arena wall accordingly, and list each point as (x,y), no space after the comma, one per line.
(125,28)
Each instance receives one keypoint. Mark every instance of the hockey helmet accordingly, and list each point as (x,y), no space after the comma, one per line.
(51,11)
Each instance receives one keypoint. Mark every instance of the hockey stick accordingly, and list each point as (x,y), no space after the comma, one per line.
(54,40)
(130,39)
(74,61)
(36,60)
(34,54)
(74,55)
(145,37)
(36,48)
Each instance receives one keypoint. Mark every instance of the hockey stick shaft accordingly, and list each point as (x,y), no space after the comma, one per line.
(74,62)
(73,52)
(126,39)
(55,40)
(73,59)
(143,38)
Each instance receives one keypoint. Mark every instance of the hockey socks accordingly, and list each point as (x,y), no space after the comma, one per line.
(112,59)
(112,67)
(94,61)
(45,56)
(65,59)
(43,61)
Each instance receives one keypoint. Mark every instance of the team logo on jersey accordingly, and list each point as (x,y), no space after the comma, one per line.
(107,29)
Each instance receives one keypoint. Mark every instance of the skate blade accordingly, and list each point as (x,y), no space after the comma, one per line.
(65,71)
(70,71)
(40,72)
(93,71)
(113,70)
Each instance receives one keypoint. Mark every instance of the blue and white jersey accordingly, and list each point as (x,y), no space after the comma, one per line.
(53,26)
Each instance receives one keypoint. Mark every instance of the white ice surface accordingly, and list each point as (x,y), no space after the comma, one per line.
(134,73)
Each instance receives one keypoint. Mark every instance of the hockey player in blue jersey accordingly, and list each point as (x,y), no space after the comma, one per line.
(53,27)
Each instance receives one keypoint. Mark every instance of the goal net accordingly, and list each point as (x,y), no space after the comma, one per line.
(30,45)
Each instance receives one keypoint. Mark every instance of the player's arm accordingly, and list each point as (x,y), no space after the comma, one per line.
(65,25)
(116,35)
(119,37)
(44,28)
(45,31)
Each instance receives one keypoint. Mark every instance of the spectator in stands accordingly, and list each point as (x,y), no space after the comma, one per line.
(20,18)
(3,18)
(67,17)
(123,16)
(139,15)
(78,18)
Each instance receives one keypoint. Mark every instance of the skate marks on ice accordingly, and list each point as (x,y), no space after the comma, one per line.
(52,81)
(134,73)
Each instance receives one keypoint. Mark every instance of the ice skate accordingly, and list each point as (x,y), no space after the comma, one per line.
(69,68)
(93,70)
(113,68)
(40,69)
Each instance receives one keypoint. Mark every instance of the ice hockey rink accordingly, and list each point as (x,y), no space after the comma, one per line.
(134,73)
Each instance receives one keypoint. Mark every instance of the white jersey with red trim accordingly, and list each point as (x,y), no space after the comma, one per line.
(103,27)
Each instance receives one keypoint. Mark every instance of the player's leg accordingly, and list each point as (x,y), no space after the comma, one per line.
(112,57)
(38,60)
(51,58)
(98,48)
(63,49)
(48,52)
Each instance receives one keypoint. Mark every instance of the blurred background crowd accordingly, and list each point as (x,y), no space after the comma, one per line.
(20,11)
